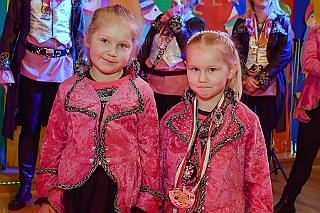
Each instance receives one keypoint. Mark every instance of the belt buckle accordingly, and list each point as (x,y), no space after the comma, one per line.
(58,53)
(49,52)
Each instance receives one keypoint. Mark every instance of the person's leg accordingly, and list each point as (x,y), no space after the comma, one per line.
(29,105)
(249,101)
(308,143)
(266,111)
(161,104)
(50,91)
(172,100)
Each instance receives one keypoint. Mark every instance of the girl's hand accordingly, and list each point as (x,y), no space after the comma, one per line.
(177,10)
(175,3)
(252,84)
(47,208)
(5,86)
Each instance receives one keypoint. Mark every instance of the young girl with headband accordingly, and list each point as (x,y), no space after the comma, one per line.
(213,157)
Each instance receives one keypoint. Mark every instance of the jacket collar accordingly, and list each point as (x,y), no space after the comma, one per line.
(181,122)
(275,28)
(83,98)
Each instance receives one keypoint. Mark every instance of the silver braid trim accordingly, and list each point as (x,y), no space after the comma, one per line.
(5,60)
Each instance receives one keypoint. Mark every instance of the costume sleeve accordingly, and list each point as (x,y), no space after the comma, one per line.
(311,49)
(280,60)
(236,37)
(52,147)
(183,30)
(257,185)
(145,49)
(11,30)
(149,199)
(78,29)
(12,26)
(163,153)
(166,180)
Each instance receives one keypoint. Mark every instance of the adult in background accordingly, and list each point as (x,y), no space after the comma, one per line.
(308,114)
(265,39)
(161,53)
(37,51)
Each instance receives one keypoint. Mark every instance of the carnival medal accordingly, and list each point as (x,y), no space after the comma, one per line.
(190,174)
(182,199)
(187,172)
(261,43)
(46,12)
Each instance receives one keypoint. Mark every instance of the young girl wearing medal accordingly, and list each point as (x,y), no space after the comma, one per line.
(213,157)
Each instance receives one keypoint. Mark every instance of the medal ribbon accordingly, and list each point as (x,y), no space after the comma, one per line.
(256,35)
(206,152)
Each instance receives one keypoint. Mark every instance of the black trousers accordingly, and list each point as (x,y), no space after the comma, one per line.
(35,103)
(165,102)
(308,143)
(97,195)
(265,108)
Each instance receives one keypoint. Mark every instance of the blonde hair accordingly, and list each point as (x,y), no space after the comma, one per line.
(228,51)
(274,7)
(116,15)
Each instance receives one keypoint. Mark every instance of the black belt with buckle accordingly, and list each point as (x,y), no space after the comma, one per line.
(47,52)
(163,73)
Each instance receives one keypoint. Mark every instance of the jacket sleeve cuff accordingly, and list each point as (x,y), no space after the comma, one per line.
(149,200)
(175,24)
(5,60)
(46,179)
(6,76)
(264,80)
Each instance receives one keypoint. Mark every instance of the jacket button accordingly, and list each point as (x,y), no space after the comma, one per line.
(107,147)
(91,160)
(99,162)
(108,160)
(93,148)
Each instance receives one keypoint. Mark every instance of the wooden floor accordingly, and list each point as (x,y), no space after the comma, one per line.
(30,208)
(309,199)
(307,202)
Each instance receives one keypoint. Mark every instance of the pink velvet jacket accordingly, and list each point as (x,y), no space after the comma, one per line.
(127,148)
(237,178)
(310,94)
